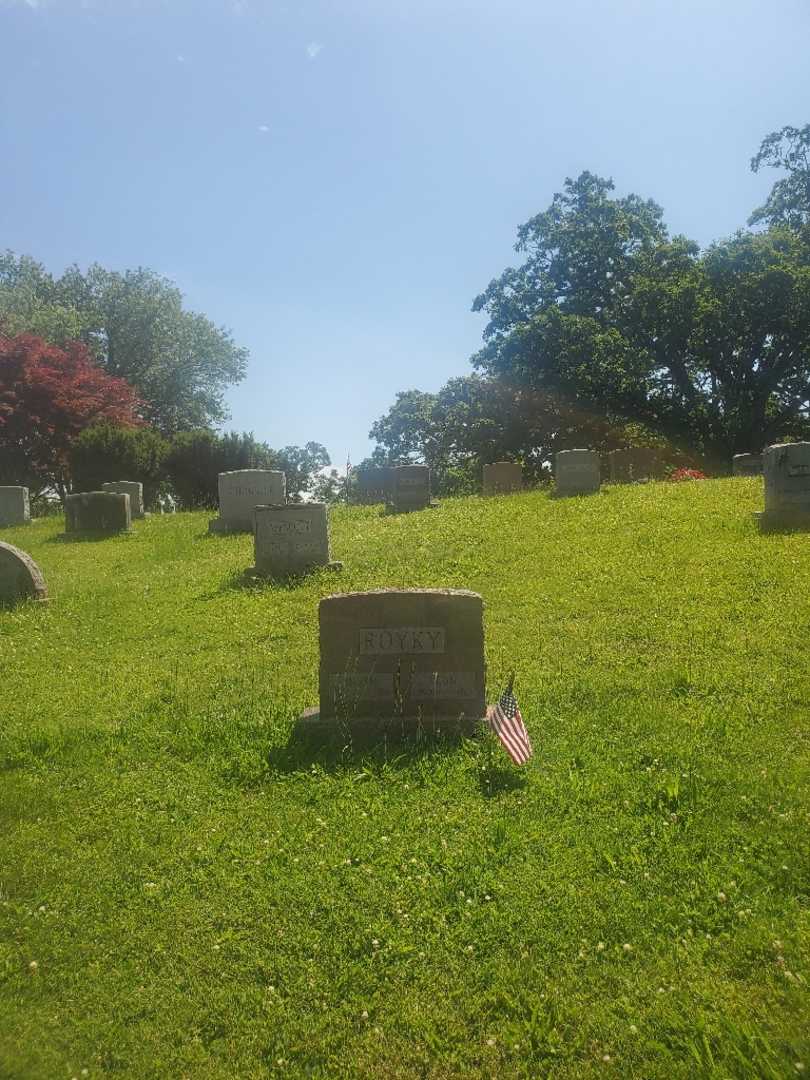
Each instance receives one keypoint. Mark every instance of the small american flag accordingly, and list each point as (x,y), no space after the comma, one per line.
(507,723)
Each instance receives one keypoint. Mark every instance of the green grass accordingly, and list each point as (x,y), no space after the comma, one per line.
(204,898)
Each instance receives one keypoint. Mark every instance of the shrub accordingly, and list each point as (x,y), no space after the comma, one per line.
(196,458)
(687,474)
(108,451)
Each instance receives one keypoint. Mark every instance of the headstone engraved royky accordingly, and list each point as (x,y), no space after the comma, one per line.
(577,472)
(97,512)
(786,468)
(14,506)
(20,577)
(502,477)
(409,488)
(291,539)
(400,656)
(241,491)
(746,465)
(131,488)
(373,484)
(633,465)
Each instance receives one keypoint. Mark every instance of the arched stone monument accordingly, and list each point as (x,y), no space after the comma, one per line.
(20,577)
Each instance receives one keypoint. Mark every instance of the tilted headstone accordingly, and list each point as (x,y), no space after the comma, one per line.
(97,512)
(131,488)
(577,472)
(786,468)
(502,478)
(409,488)
(14,506)
(401,655)
(746,465)
(20,577)
(241,491)
(373,484)
(633,465)
(291,539)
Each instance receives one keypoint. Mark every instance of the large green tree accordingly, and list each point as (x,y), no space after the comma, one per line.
(710,350)
(136,326)
(788,203)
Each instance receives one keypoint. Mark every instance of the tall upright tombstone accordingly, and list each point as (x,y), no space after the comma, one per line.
(241,491)
(502,478)
(397,657)
(373,484)
(409,488)
(291,539)
(15,508)
(746,465)
(20,577)
(577,472)
(786,468)
(633,465)
(131,488)
(97,512)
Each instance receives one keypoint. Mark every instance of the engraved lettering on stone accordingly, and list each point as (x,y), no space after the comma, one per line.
(406,639)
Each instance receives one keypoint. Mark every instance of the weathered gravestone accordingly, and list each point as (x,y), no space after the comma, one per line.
(131,488)
(14,506)
(97,512)
(291,539)
(400,656)
(20,577)
(746,465)
(786,468)
(502,477)
(577,472)
(633,465)
(373,484)
(409,488)
(241,491)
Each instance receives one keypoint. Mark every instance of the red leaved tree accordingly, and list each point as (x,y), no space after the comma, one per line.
(47,396)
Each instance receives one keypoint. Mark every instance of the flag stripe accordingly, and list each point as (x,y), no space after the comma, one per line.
(507,723)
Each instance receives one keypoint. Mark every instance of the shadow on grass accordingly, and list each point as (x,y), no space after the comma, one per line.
(337,749)
(250,581)
(88,537)
(496,780)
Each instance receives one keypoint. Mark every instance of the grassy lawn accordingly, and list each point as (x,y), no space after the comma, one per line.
(184,892)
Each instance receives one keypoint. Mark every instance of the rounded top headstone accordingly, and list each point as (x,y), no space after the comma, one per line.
(20,577)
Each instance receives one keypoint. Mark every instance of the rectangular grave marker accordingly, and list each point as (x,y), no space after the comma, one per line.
(291,539)
(14,506)
(577,472)
(502,478)
(786,469)
(241,491)
(128,487)
(409,488)
(400,655)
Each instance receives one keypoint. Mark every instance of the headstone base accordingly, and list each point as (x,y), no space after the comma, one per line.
(265,575)
(310,725)
(779,520)
(222,528)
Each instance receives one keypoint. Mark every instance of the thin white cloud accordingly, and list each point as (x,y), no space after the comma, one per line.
(313,49)
(180,58)
(263,128)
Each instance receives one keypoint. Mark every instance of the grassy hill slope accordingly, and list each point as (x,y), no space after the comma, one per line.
(202,898)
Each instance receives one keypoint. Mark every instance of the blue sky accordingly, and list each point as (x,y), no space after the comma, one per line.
(336,181)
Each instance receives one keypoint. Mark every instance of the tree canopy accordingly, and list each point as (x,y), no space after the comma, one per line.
(136,327)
